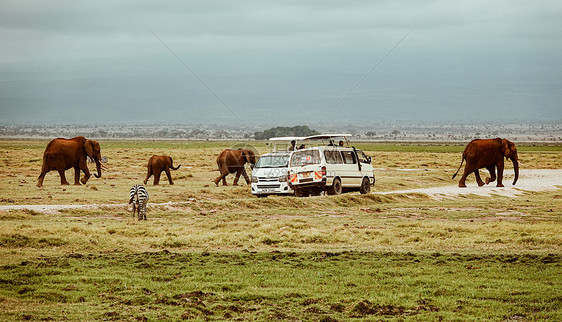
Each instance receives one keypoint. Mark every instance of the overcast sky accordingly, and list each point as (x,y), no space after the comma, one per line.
(279,62)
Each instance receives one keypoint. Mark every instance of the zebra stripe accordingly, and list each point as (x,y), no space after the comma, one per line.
(139,198)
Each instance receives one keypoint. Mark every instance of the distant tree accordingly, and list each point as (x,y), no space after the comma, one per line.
(299,130)
(370,133)
(197,132)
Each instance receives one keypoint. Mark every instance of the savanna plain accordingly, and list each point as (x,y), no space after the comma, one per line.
(219,253)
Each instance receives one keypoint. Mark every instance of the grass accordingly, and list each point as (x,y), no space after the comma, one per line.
(219,253)
(269,286)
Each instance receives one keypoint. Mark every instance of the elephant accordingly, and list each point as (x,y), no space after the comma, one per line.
(157,164)
(488,154)
(233,161)
(62,154)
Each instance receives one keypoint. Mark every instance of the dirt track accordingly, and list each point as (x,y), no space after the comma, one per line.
(529,180)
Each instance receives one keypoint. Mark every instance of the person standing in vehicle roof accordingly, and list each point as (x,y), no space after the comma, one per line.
(293,146)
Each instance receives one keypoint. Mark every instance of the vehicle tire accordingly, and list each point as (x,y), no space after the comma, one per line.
(336,188)
(365,186)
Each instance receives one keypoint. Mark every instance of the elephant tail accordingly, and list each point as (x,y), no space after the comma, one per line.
(47,160)
(172,165)
(220,161)
(463,157)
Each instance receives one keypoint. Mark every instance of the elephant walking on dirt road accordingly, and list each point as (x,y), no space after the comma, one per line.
(488,154)
(63,154)
(233,161)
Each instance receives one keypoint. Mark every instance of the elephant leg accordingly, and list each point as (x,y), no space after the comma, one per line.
(169,175)
(62,177)
(157,178)
(478,179)
(86,174)
(245,176)
(500,174)
(148,174)
(40,179)
(462,181)
(76,176)
(221,177)
(238,173)
(492,170)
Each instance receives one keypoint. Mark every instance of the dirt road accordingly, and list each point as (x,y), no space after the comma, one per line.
(529,180)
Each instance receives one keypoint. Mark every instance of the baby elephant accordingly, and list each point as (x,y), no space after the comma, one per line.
(157,164)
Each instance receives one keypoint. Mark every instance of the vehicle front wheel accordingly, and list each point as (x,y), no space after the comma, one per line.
(365,186)
(336,188)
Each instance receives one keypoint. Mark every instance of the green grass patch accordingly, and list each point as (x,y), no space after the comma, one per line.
(284,285)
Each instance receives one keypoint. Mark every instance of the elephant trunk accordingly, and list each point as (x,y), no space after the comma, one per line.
(516,169)
(98,167)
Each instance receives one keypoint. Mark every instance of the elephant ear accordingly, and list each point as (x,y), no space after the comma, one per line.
(89,146)
(507,148)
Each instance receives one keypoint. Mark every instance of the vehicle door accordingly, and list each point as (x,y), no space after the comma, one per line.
(351,176)
(366,166)
(334,165)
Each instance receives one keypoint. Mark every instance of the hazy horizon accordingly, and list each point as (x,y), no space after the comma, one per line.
(283,63)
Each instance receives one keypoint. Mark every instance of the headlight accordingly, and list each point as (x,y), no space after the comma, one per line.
(282,178)
(254,179)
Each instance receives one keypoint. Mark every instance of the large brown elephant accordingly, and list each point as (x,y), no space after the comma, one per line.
(157,164)
(488,154)
(63,154)
(233,161)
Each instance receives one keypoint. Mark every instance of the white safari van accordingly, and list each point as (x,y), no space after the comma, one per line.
(330,166)
(269,175)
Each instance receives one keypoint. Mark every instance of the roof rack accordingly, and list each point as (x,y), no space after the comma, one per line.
(327,136)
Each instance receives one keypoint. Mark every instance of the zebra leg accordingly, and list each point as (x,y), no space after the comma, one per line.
(140,210)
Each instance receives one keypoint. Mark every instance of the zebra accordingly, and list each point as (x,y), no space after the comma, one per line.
(139,198)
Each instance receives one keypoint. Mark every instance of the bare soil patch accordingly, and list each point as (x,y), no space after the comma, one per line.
(532,180)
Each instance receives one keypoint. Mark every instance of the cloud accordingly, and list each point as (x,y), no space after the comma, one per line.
(265,55)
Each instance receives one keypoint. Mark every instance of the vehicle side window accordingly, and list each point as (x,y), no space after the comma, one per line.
(333,157)
(348,157)
(363,157)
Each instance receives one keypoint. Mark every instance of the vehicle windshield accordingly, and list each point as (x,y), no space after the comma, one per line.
(273,161)
(301,158)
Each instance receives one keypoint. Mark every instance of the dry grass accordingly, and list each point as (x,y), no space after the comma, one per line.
(205,217)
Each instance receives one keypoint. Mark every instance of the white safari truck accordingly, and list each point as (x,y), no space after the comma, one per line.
(269,175)
(330,165)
